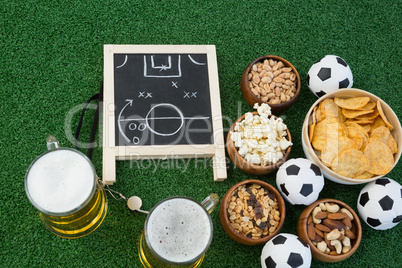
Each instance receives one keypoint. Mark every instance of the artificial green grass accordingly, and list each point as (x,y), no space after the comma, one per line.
(52,61)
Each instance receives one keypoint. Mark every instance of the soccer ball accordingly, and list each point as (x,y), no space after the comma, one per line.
(286,250)
(380,204)
(329,74)
(300,181)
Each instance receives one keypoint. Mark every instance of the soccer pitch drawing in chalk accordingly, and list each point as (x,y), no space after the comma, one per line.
(162,99)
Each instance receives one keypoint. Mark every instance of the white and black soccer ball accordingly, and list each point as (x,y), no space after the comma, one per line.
(286,250)
(300,181)
(329,74)
(380,204)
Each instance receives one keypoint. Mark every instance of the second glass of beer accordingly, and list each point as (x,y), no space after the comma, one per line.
(177,233)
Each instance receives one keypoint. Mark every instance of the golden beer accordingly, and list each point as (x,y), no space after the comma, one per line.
(63,186)
(177,233)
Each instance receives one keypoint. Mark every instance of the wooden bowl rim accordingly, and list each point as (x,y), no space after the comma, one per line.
(230,143)
(287,64)
(281,206)
(330,258)
(351,92)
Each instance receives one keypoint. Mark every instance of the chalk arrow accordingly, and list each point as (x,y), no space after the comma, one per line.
(129,102)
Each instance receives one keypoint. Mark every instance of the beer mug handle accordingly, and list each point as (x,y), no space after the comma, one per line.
(52,143)
(210,202)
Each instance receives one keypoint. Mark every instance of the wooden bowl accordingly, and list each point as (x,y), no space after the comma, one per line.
(251,98)
(245,166)
(347,93)
(224,218)
(302,232)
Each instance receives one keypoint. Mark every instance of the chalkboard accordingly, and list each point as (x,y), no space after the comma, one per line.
(161,101)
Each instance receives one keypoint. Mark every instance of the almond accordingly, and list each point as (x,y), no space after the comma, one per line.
(347,222)
(319,232)
(323,228)
(321,215)
(311,231)
(337,216)
(332,224)
(350,234)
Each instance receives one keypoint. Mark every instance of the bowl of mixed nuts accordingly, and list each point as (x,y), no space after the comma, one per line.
(273,80)
(252,212)
(331,228)
(258,142)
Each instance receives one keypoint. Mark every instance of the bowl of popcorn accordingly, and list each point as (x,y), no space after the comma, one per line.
(273,80)
(252,212)
(331,228)
(353,136)
(259,142)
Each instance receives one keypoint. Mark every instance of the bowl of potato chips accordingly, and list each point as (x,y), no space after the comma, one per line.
(353,136)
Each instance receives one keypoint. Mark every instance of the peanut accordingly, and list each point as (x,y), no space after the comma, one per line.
(274,76)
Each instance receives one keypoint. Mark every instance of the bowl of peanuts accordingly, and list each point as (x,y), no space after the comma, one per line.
(258,142)
(252,212)
(353,136)
(331,228)
(273,80)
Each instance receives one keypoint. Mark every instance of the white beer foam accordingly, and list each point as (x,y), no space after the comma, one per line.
(60,181)
(179,230)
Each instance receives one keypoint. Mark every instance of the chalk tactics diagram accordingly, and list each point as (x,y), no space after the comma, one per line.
(161,101)
(158,67)
(150,121)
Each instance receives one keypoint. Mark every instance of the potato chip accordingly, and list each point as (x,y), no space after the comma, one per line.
(366,127)
(356,136)
(352,103)
(369,116)
(368,106)
(324,129)
(364,176)
(379,156)
(328,108)
(378,122)
(334,147)
(387,123)
(350,163)
(353,124)
(361,122)
(354,113)
(383,134)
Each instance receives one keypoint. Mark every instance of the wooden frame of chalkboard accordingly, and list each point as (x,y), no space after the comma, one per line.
(160,102)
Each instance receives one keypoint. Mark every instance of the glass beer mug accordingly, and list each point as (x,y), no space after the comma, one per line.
(62,184)
(177,232)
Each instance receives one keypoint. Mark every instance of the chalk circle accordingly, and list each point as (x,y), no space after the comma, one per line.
(136,140)
(164,105)
(142,127)
(132,126)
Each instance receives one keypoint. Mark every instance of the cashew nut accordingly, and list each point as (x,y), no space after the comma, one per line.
(338,246)
(346,249)
(322,246)
(323,207)
(334,234)
(346,241)
(315,211)
(332,208)
(347,212)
